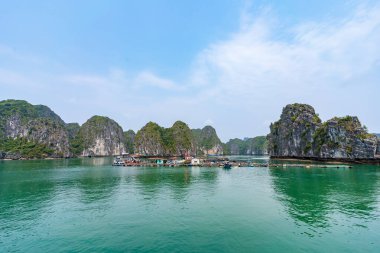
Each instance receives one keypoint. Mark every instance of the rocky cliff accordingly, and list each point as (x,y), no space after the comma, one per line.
(99,136)
(72,130)
(148,140)
(183,143)
(378,145)
(248,146)
(31,131)
(130,141)
(300,133)
(154,140)
(344,138)
(207,141)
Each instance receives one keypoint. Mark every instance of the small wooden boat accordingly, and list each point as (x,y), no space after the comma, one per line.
(227,166)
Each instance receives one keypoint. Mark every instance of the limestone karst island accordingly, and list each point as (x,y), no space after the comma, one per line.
(35,131)
(164,126)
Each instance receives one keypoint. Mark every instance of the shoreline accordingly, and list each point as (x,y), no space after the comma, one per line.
(373,161)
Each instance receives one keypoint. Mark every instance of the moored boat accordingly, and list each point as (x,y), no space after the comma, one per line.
(227,165)
(118,162)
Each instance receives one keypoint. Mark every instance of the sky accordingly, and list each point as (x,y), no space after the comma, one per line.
(232,64)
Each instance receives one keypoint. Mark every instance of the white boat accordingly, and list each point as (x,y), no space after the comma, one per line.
(118,162)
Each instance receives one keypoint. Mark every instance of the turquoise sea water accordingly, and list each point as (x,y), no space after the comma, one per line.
(86,205)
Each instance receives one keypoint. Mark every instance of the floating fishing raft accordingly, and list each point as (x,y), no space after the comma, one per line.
(214,162)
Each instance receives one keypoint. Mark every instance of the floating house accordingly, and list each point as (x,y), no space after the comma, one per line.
(195,162)
(160,161)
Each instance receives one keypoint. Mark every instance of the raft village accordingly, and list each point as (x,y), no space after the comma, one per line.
(212,161)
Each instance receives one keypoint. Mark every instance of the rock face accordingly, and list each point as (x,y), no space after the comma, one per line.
(31,131)
(378,145)
(207,141)
(130,141)
(344,138)
(100,136)
(153,140)
(183,143)
(72,130)
(300,133)
(248,146)
(148,140)
(293,134)
(51,133)
(235,147)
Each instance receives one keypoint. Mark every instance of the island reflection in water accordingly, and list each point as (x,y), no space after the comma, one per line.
(321,197)
(86,204)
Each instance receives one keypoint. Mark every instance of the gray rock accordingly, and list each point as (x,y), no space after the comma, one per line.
(293,134)
(207,141)
(300,133)
(34,123)
(12,156)
(101,136)
(345,138)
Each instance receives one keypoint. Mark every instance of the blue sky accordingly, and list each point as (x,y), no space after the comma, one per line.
(231,64)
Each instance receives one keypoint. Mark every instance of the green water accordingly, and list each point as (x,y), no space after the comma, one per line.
(85,205)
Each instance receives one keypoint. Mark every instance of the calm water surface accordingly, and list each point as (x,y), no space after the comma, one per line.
(85,205)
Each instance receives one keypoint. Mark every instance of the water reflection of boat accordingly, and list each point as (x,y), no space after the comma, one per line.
(118,162)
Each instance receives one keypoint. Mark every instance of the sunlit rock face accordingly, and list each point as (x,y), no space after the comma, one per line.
(101,136)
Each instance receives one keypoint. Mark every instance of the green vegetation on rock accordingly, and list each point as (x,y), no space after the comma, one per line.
(23,148)
(207,141)
(72,130)
(129,141)
(32,131)
(182,138)
(153,139)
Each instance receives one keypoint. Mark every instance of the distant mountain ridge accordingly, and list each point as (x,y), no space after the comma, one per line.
(248,146)
(35,131)
(207,141)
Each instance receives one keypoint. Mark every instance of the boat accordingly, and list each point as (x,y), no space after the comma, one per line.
(227,165)
(118,162)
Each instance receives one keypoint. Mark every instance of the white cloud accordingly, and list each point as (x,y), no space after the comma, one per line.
(10,78)
(12,54)
(87,80)
(118,78)
(146,78)
(253,60)
(208,122)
